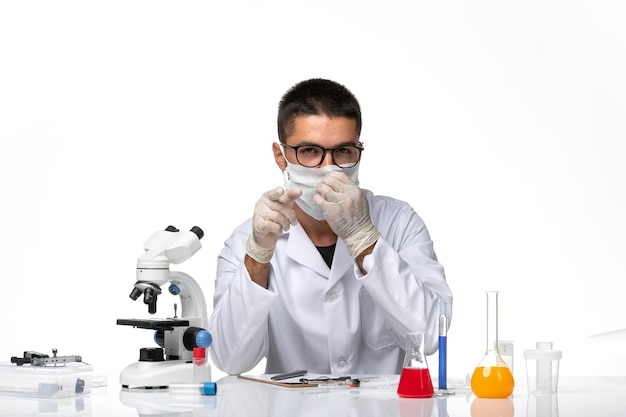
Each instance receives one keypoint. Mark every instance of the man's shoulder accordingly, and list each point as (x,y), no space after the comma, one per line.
(386,203)
(390,211)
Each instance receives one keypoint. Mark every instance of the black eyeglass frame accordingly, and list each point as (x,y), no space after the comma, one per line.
(359,146)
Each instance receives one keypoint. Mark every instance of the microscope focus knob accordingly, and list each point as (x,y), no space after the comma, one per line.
(196,337)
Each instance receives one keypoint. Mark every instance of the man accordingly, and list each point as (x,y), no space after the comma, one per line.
(325,276)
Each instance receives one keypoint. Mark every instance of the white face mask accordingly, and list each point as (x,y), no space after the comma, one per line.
(307,179)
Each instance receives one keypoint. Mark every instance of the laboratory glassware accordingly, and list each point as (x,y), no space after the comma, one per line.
(201,367)
(443,346)
(415,381)
(492,378)
(202,388)
(542,368)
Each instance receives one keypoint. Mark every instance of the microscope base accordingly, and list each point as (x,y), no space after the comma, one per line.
(159,403)
(156,374)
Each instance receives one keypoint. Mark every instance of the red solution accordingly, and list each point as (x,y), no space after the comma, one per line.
(415,383)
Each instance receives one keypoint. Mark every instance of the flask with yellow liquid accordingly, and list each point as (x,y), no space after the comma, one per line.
(492,378)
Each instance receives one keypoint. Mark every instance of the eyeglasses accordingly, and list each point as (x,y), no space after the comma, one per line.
(311,156)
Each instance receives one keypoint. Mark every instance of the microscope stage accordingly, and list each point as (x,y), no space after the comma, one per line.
(155,324)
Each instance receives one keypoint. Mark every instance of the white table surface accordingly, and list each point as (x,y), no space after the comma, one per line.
(577,396)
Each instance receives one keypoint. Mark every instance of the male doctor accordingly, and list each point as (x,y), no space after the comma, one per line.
(325,276)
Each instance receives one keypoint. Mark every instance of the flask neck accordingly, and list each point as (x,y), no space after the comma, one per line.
(414,354)
(492,321)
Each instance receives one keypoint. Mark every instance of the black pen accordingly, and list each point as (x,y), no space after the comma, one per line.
(288,375)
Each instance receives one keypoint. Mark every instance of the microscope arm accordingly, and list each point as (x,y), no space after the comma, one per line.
(192,299)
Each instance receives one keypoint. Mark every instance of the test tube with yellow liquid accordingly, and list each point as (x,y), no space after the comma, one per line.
(492,378)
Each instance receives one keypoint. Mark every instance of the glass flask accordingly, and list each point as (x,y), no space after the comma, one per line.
(415,381)
(492,378)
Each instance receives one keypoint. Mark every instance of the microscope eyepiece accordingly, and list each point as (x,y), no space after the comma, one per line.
(199,232)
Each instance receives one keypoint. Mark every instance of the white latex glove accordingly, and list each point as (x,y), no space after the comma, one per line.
(273,214)
(347,212)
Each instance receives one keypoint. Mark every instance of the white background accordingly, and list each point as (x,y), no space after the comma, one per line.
(501,122)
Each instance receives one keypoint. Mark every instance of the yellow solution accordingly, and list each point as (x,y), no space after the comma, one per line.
(492,382)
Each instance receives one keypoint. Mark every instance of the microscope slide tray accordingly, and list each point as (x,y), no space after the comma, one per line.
(49,382)
(164,324)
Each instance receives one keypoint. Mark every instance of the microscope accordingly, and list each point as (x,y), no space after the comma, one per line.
(172,361)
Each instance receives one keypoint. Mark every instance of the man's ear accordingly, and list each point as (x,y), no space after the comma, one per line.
(279,157)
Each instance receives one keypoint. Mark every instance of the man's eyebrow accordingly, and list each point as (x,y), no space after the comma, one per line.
(348,142)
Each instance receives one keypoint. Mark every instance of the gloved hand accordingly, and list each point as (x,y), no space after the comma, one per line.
(347,212)
(273,214)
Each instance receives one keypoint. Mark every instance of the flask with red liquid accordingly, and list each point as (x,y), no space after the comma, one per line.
(415,381)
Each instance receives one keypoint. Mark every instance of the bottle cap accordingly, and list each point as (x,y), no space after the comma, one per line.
(543,351)
(209,388)
(199,352)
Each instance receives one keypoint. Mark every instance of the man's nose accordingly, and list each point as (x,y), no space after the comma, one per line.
(327,160)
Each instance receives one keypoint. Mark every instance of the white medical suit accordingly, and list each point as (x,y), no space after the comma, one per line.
(330,320)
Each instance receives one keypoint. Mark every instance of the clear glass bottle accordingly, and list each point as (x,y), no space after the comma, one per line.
(415,381)
(201,388)
(201,367)
(492,378)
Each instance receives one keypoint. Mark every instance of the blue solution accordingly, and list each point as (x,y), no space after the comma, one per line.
(442,362)
(443,346)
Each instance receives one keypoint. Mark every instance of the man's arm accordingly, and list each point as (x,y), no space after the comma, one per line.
(242,301)
(259,273)
(404,278)
(239,320)
(361,257)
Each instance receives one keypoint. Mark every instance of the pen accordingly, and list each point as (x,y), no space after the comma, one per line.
(287,375)
(371,382)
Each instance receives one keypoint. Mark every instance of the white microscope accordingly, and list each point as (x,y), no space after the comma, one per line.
(171,362)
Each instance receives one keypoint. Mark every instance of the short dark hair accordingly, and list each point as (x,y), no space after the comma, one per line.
(316,96)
